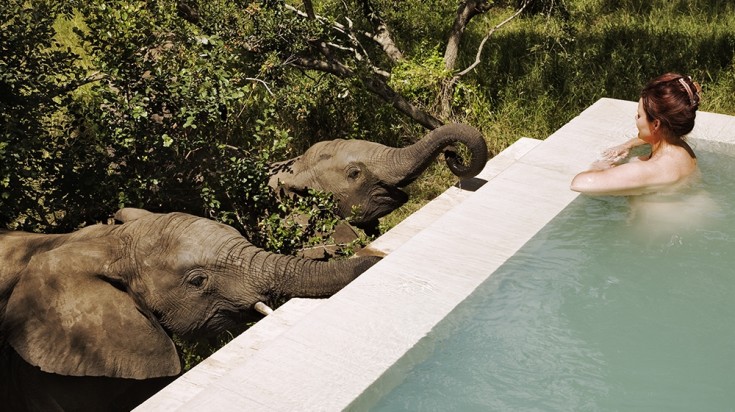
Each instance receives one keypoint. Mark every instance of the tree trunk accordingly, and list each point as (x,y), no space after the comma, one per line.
(309,7)
(466,11)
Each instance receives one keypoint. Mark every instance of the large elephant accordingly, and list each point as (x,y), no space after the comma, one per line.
(94,310)
(366,177)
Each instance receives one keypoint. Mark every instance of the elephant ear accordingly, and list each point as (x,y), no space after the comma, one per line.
(70,314)
(128,214)
(292,178)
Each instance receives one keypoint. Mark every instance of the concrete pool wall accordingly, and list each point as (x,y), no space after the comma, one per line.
(324,354)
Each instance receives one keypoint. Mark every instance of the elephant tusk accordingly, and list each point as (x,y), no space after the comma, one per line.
(263,308)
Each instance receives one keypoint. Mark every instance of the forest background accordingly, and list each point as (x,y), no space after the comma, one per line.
(181,105)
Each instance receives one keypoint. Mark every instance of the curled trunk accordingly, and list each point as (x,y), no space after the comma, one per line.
(409,162)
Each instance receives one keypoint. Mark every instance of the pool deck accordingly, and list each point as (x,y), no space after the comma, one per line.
(322,355)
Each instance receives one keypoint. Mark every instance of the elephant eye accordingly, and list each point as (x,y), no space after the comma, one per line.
(197,280)
(353,173)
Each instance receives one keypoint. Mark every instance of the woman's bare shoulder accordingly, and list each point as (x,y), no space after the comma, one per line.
(677,164)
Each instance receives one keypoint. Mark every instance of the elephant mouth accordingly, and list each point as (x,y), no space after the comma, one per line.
(381,202)
(230,321)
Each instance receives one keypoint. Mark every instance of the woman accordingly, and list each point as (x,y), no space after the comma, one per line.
(666,112)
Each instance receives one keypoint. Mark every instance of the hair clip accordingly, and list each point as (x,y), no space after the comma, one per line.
(688,89)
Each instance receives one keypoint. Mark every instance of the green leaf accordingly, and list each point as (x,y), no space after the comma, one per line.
(167,140)
(190,122)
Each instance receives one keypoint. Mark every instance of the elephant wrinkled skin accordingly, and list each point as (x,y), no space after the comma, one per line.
(93,310)
(366,177)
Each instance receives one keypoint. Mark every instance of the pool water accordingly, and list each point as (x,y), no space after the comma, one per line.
(599,311)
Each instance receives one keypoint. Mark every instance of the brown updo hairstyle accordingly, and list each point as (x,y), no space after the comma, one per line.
(673,100)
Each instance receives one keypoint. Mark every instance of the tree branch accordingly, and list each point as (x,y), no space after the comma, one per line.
(336,69)
(465,12)
(253,79)
(383,38)
(374,84)
(382,34)
(94,77)
(381,88)
(309,9)
(487,36)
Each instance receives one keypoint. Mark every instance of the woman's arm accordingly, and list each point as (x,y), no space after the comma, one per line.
(626,179)
(621,151)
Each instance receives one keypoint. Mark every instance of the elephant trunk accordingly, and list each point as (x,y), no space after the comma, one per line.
(408,163)
(275,275)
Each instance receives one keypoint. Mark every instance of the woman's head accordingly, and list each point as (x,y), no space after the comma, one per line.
(673,100)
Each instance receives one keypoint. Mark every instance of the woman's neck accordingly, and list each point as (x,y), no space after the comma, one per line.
(656,147)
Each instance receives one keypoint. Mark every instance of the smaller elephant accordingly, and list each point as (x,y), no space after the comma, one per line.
(366,178)
(86,318)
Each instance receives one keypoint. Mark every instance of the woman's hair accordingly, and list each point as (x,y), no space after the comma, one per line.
(673,100)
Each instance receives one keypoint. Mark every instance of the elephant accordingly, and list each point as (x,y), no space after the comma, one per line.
(366,178)
(87,317)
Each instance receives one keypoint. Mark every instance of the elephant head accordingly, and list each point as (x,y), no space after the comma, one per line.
(366,178)
(102,301)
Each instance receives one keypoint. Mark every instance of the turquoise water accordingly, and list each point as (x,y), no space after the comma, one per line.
(601,311)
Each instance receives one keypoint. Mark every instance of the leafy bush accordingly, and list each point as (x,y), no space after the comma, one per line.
(35,81)
(175,123)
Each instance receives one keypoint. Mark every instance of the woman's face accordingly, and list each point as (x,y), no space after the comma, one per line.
(645,128)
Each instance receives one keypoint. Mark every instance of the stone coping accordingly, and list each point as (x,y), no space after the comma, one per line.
(324,354)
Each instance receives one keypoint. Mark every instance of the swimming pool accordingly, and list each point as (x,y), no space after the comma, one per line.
(595,314)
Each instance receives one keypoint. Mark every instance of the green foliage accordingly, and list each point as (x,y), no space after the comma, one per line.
(420,78)
(172,126)
(299,222)
(171,101)
(36,76)
(192,352)
(281,31)
(419,26)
